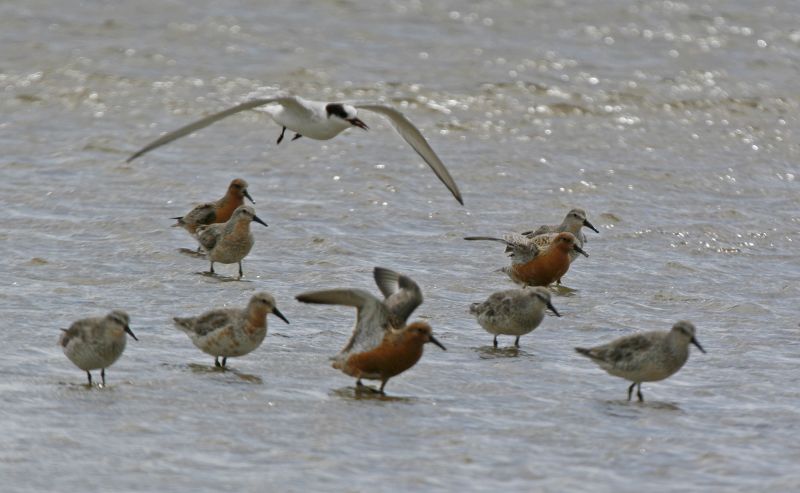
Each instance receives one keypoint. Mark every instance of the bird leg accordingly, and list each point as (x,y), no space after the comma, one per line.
(90,377)
(383,384)
(280,137)
(240,270)
(360,386)
(212,268)
(224,361)
(516,342)
(103,376)
(216,362)
(495,341)
(639,392)
(296,136)
(630,390)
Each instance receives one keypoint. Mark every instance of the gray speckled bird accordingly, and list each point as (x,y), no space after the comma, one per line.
(513,312)
(645,357)
(98,342)
(231,241)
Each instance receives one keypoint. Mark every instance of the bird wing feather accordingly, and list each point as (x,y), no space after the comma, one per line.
(200,215)
(208,236)
(403,295)
(372,317)
(204,122)
(416,140)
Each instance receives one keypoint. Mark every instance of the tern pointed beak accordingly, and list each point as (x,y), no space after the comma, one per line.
(580,250)
(694,341)
(130,333)
(553,309)
(358,123)
(278,314)
(258,220)
(247,194)
(435,341)
(590,225)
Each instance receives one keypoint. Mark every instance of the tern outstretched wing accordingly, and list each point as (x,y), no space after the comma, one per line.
(414,138)
(204,122)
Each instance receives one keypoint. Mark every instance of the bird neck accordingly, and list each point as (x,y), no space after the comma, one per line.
(257,317)
(227,205)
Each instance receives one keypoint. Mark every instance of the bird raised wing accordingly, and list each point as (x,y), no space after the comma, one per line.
(403,295)
(415,139)
(372,317)
(204,122)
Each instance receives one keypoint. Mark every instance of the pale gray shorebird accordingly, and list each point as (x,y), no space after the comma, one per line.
(218,211)
(231,241)
(645,357)
(573,223)
(513,312)
(320,121)
(532,266)
(231,332)
(382,345)
(96,343)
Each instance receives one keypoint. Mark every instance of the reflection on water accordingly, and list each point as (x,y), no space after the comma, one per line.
(634,408)
(491,352)
(222,278)
(211,369)
(369,393)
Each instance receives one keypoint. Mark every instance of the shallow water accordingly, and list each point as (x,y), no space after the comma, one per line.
(673,124)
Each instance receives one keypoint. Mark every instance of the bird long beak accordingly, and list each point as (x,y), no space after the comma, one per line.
(694,341)
(553,309)
(130,333)
(358,123)
(278,314)
(590,226)
(258,220)
(247,194)
(435,341)
(580,250)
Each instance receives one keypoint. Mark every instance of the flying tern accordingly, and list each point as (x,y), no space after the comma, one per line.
(321,121)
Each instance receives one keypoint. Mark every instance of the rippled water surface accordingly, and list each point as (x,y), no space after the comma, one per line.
(673,124)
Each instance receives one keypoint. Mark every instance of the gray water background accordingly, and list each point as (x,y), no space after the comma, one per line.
(673,124)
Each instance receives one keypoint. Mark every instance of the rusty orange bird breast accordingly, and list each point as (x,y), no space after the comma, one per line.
(229,204)
(550,265)
(398,352)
